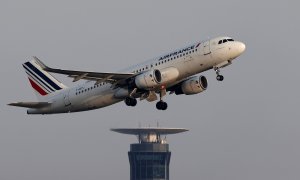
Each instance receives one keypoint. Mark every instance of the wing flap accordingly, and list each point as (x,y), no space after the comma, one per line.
(35,105)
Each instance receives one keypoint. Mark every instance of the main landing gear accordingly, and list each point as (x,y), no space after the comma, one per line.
(161,105)
(129,101)
(219,76)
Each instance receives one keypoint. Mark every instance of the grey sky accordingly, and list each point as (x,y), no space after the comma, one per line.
(246,127)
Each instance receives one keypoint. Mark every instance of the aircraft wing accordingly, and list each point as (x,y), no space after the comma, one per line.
(116,78)
(31,104)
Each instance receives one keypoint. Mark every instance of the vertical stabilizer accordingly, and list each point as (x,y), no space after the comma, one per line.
(41,81)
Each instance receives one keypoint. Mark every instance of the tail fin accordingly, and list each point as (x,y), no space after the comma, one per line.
(41,81)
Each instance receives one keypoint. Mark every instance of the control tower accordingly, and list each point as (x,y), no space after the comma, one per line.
(149,158)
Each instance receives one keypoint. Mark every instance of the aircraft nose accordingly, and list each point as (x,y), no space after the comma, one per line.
(241,47)
(237,49)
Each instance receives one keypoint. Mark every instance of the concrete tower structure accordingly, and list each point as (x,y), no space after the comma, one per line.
(149,158)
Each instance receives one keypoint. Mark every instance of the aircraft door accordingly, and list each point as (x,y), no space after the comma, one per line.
(206,48)
(67,99)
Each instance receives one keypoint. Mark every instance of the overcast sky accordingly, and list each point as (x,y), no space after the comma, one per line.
(246,127)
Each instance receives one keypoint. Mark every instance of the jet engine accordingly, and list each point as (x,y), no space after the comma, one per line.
(169,75)
(148,80)
(154,78)
(194,85)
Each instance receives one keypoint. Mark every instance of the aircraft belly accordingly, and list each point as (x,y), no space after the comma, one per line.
(98,100)
(58,105)
(105,101)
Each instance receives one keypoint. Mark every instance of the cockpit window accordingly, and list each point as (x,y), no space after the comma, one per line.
(224,41)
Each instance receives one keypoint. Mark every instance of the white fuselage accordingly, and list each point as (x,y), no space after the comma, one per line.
(189,61)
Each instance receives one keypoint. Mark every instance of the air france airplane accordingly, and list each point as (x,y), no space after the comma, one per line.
(174,72)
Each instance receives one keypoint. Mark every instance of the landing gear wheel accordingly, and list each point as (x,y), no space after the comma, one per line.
(220,77)
(161,105)
(158,105)
(133,102)
(164,106)
(130,101)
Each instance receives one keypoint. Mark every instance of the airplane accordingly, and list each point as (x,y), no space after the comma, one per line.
(176,72)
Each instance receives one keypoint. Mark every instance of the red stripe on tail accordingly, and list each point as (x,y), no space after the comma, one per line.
(37,88)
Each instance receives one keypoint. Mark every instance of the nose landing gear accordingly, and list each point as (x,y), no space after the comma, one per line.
(219,76)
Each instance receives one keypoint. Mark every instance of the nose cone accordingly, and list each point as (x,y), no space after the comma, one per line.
(237,49)
(241,47)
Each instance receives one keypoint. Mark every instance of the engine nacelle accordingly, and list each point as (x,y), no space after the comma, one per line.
(193,85)
(169,75)
(148,80)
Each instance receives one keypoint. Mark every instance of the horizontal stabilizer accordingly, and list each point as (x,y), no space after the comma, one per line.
(34,105)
